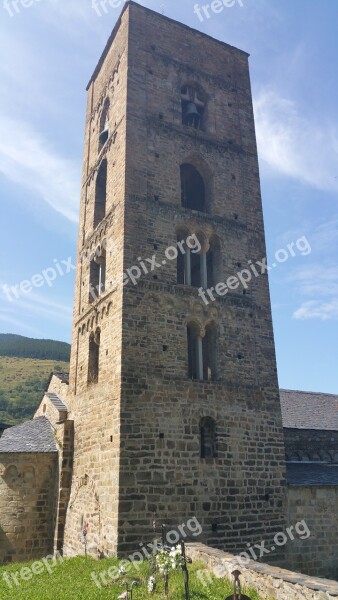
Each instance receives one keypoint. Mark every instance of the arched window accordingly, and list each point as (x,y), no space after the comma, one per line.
(193,107)
(208,438)
(94,356)
(202,356)
(100,194)
(104,125)
(214,263)
(97,274)
(192,188)
(295,457)
(209,353)
(195,359)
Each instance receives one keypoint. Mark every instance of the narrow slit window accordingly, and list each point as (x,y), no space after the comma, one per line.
(104,125)
(208,438)
(94,357)
(100,194)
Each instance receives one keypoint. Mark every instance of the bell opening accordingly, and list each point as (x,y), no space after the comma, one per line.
(191,115)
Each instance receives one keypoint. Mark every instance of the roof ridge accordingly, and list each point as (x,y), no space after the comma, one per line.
(308,392)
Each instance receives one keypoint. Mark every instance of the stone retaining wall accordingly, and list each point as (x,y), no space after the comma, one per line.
(318,506)
(270,582)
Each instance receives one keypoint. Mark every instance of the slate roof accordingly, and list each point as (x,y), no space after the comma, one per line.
(31,436)
(57,401)
(309,410)
(306,474)
(62,375)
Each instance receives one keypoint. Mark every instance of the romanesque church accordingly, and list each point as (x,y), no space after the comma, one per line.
(171,409)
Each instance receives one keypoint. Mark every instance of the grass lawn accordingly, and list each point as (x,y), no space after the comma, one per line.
(72,579)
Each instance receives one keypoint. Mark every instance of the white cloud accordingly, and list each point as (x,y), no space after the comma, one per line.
(37,304)
(316,280)
(314,309)
(320,283)
(292,145)
(72,16)
(8,320)
(33,303)
(26,159)
(326,235)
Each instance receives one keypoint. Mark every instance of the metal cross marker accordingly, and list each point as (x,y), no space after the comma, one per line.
(237,595)
(128,594)
(162,8)
(185,572)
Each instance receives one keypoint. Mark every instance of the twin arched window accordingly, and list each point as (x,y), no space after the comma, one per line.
(198,266)
(202,358)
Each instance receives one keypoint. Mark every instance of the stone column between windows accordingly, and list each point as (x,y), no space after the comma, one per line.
(100,280)
(187,267)
(199,359)
(204,272)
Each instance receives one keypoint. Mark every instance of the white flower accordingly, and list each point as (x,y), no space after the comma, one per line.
(151,584)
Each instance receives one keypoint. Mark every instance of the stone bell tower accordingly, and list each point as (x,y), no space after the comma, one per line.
(173,390)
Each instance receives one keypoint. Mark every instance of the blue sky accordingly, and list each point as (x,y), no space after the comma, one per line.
(49,50)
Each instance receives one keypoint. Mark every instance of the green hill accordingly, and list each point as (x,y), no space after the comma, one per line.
(25,368)
(23,347)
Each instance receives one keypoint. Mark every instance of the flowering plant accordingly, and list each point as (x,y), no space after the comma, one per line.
(151,584)
(175,555)
(85,532)
(163,561)
(169,561)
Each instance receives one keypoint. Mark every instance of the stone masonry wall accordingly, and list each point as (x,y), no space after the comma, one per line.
(318,506)
(313,445)
(270,582)
(26,506)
